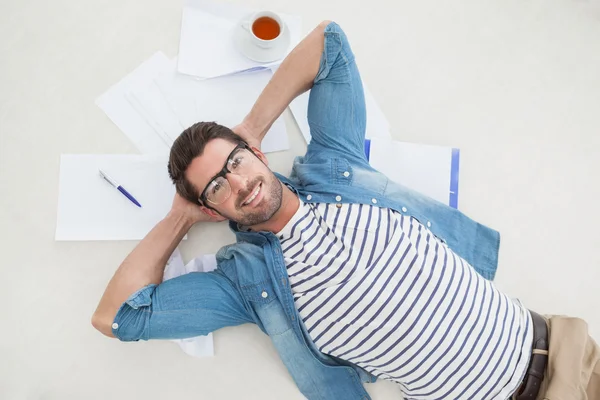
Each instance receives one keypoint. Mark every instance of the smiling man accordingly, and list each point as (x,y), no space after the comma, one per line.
(258,194)
(352,276)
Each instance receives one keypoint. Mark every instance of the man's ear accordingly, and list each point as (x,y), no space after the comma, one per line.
(210,211)
(260,155)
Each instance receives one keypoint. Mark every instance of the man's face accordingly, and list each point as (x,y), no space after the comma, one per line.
(256,180)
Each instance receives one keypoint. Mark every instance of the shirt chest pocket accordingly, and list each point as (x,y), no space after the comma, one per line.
(337,171)
(266,305)
(259,294)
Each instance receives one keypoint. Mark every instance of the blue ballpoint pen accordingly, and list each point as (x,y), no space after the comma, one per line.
(119,187)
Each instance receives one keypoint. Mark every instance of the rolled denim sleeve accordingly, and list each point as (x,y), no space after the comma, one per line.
(190,305)
(336,107)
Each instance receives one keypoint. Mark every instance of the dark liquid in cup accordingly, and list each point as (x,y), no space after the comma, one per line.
(266,28)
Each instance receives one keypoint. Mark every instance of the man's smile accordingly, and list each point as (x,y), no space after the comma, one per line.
(254,197)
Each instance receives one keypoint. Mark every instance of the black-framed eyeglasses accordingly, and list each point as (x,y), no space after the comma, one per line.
(238,162)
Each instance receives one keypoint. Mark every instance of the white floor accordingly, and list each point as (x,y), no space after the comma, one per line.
(515,84)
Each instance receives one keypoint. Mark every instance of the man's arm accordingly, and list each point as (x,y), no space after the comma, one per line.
(294,77)
(146,263)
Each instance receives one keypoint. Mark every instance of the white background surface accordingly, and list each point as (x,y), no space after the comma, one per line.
(514,84)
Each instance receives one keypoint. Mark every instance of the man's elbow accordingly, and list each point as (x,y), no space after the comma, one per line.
(102,324)
(323,24)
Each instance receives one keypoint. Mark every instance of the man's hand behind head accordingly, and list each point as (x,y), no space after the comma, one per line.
(246,133)
(193,212)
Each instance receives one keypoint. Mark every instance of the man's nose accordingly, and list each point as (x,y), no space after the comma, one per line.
(237,182)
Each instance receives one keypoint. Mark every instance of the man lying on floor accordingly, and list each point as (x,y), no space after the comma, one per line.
(351,275)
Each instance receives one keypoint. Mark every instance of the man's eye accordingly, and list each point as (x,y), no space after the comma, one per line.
(216,187)
(236,162)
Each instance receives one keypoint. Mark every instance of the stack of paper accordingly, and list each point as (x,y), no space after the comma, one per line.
(120,110)
(430,170)
(154,104)
(205,46)
(158,100)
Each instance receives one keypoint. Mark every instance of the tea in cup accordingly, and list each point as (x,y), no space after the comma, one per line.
(265,28)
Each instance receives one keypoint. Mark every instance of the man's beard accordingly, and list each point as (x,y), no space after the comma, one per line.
(270,203)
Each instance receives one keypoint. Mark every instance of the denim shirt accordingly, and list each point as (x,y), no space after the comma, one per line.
(251,285)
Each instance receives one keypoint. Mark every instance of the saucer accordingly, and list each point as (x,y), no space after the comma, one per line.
(243,42)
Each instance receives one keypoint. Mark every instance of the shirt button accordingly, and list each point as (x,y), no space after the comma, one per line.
(338,205)
(429,224)
(346,174)
(404,209)
(115,325)
(264,295)
(374,201)
(338,198)
(309,197)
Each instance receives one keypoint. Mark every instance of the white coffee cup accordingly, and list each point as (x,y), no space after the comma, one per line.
(265,44)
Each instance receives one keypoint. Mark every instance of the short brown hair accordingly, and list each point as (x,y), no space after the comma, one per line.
(189,145)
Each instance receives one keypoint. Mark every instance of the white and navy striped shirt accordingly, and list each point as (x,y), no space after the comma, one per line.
(379,289)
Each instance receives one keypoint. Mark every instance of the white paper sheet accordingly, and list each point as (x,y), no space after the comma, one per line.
(225,100)
(89,208)
(299,109)
(180,92)
(116,106)
(199,346)
(427,169)
(377,124)
(148,100)
(206,47)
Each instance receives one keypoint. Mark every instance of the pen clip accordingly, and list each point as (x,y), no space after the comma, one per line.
(107,178)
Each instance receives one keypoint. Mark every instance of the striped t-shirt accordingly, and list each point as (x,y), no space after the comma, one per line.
(379,289)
